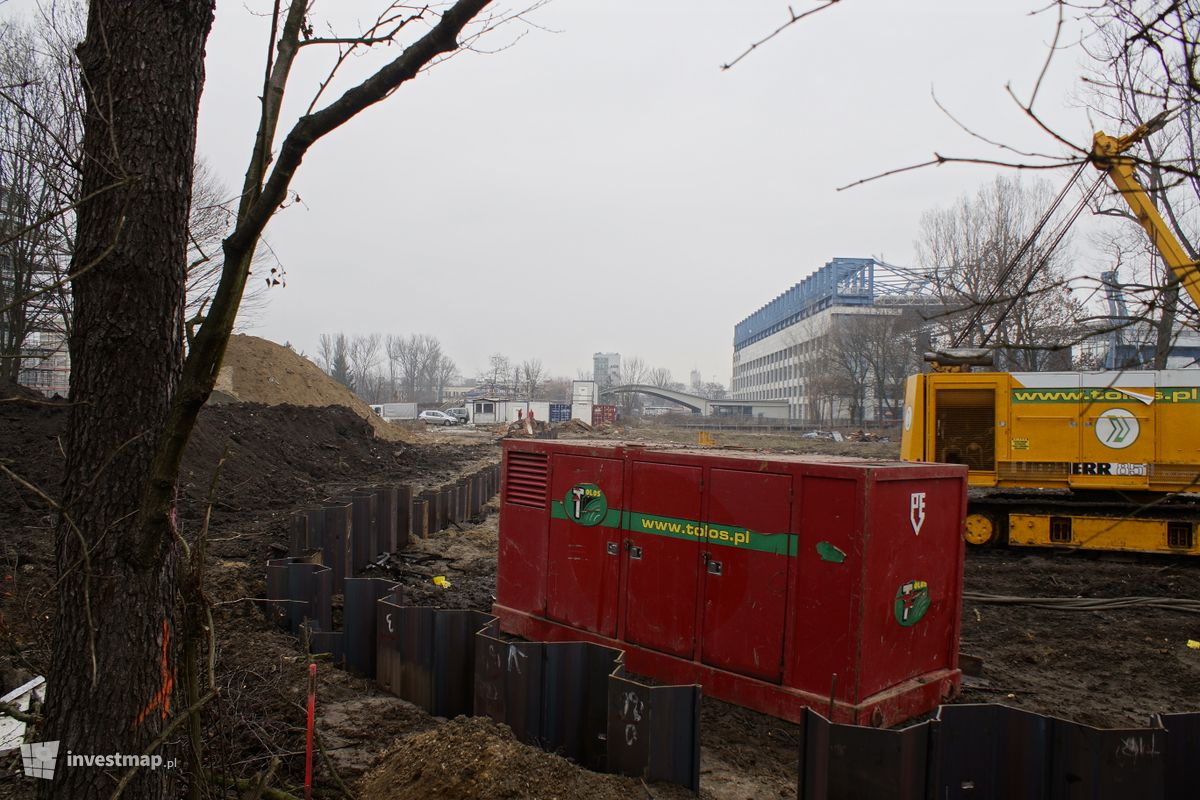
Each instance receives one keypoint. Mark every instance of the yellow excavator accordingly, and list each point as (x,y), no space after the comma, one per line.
(1084,460)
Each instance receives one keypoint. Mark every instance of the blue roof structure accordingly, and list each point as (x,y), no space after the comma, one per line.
(841,282)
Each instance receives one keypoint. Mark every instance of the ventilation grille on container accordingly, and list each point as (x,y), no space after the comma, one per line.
(525,479)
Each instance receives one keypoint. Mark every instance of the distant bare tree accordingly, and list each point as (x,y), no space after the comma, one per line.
(890,345)
(365,350)
(333,357)
(444,372)
(867,358)
(34,248)
(823,389)
(531,376)
(633,371)
(660,377)
(999,289)
(393,348)
(557,389)
(844,359)
(417,353)
(498,374)
(325,348)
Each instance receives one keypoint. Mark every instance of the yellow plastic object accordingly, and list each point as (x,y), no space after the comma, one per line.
(441,581)
(1193,644)
(705,439)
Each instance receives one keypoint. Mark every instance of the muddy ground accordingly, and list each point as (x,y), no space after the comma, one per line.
(1111,668)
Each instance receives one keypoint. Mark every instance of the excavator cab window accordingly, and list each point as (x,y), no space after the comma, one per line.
(965,432)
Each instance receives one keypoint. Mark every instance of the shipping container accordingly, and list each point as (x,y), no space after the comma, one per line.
(390,411)
(778,582)
(560,412)
(603,414)
(487,411)
(583,391)
(582,411)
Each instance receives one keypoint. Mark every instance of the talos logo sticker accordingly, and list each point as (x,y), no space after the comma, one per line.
(916,511)
(912,601)
(585,504)
(1117,428)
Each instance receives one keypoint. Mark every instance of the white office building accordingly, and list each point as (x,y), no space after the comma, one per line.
(777,350)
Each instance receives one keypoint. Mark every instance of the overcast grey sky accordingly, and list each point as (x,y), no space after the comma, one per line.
(602,185)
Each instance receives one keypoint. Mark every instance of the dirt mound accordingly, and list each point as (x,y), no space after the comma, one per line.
(11,391)
(260,371)
(473,757)
(285,455)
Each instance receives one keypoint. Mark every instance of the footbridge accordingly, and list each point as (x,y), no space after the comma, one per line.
(771,409)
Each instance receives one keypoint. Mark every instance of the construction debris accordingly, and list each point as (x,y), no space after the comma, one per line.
(574,426)
(863,436)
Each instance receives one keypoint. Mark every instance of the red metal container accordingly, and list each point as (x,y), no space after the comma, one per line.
(603,415)
(775,581)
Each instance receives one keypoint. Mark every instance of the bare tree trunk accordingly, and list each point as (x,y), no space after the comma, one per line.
(113,668)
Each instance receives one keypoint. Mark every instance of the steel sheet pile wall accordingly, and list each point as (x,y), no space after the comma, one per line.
(570,698)
(427,657)
(991,752)
(330,545)
(574,698)
(778,582)
(353,529)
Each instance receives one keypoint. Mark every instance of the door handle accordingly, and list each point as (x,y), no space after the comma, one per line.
(613,548)
(715,568)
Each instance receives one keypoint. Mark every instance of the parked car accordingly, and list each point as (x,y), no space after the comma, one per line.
(436,418)
(460,414)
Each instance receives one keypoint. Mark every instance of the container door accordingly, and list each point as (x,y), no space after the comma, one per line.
(662,553)
(585,539)
(746,557)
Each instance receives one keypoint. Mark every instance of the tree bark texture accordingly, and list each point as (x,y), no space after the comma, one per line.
(143,69)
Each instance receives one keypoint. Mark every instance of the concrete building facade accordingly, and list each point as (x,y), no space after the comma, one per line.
(778,350)
(606,369)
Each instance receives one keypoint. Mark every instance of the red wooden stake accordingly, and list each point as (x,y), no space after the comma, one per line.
(312,710)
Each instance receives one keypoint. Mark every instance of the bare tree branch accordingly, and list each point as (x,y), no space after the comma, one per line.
(793,18)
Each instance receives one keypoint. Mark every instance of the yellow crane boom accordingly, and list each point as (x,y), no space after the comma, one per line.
(1108,154)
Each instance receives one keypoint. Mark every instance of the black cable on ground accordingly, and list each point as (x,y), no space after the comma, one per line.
(1087,603)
